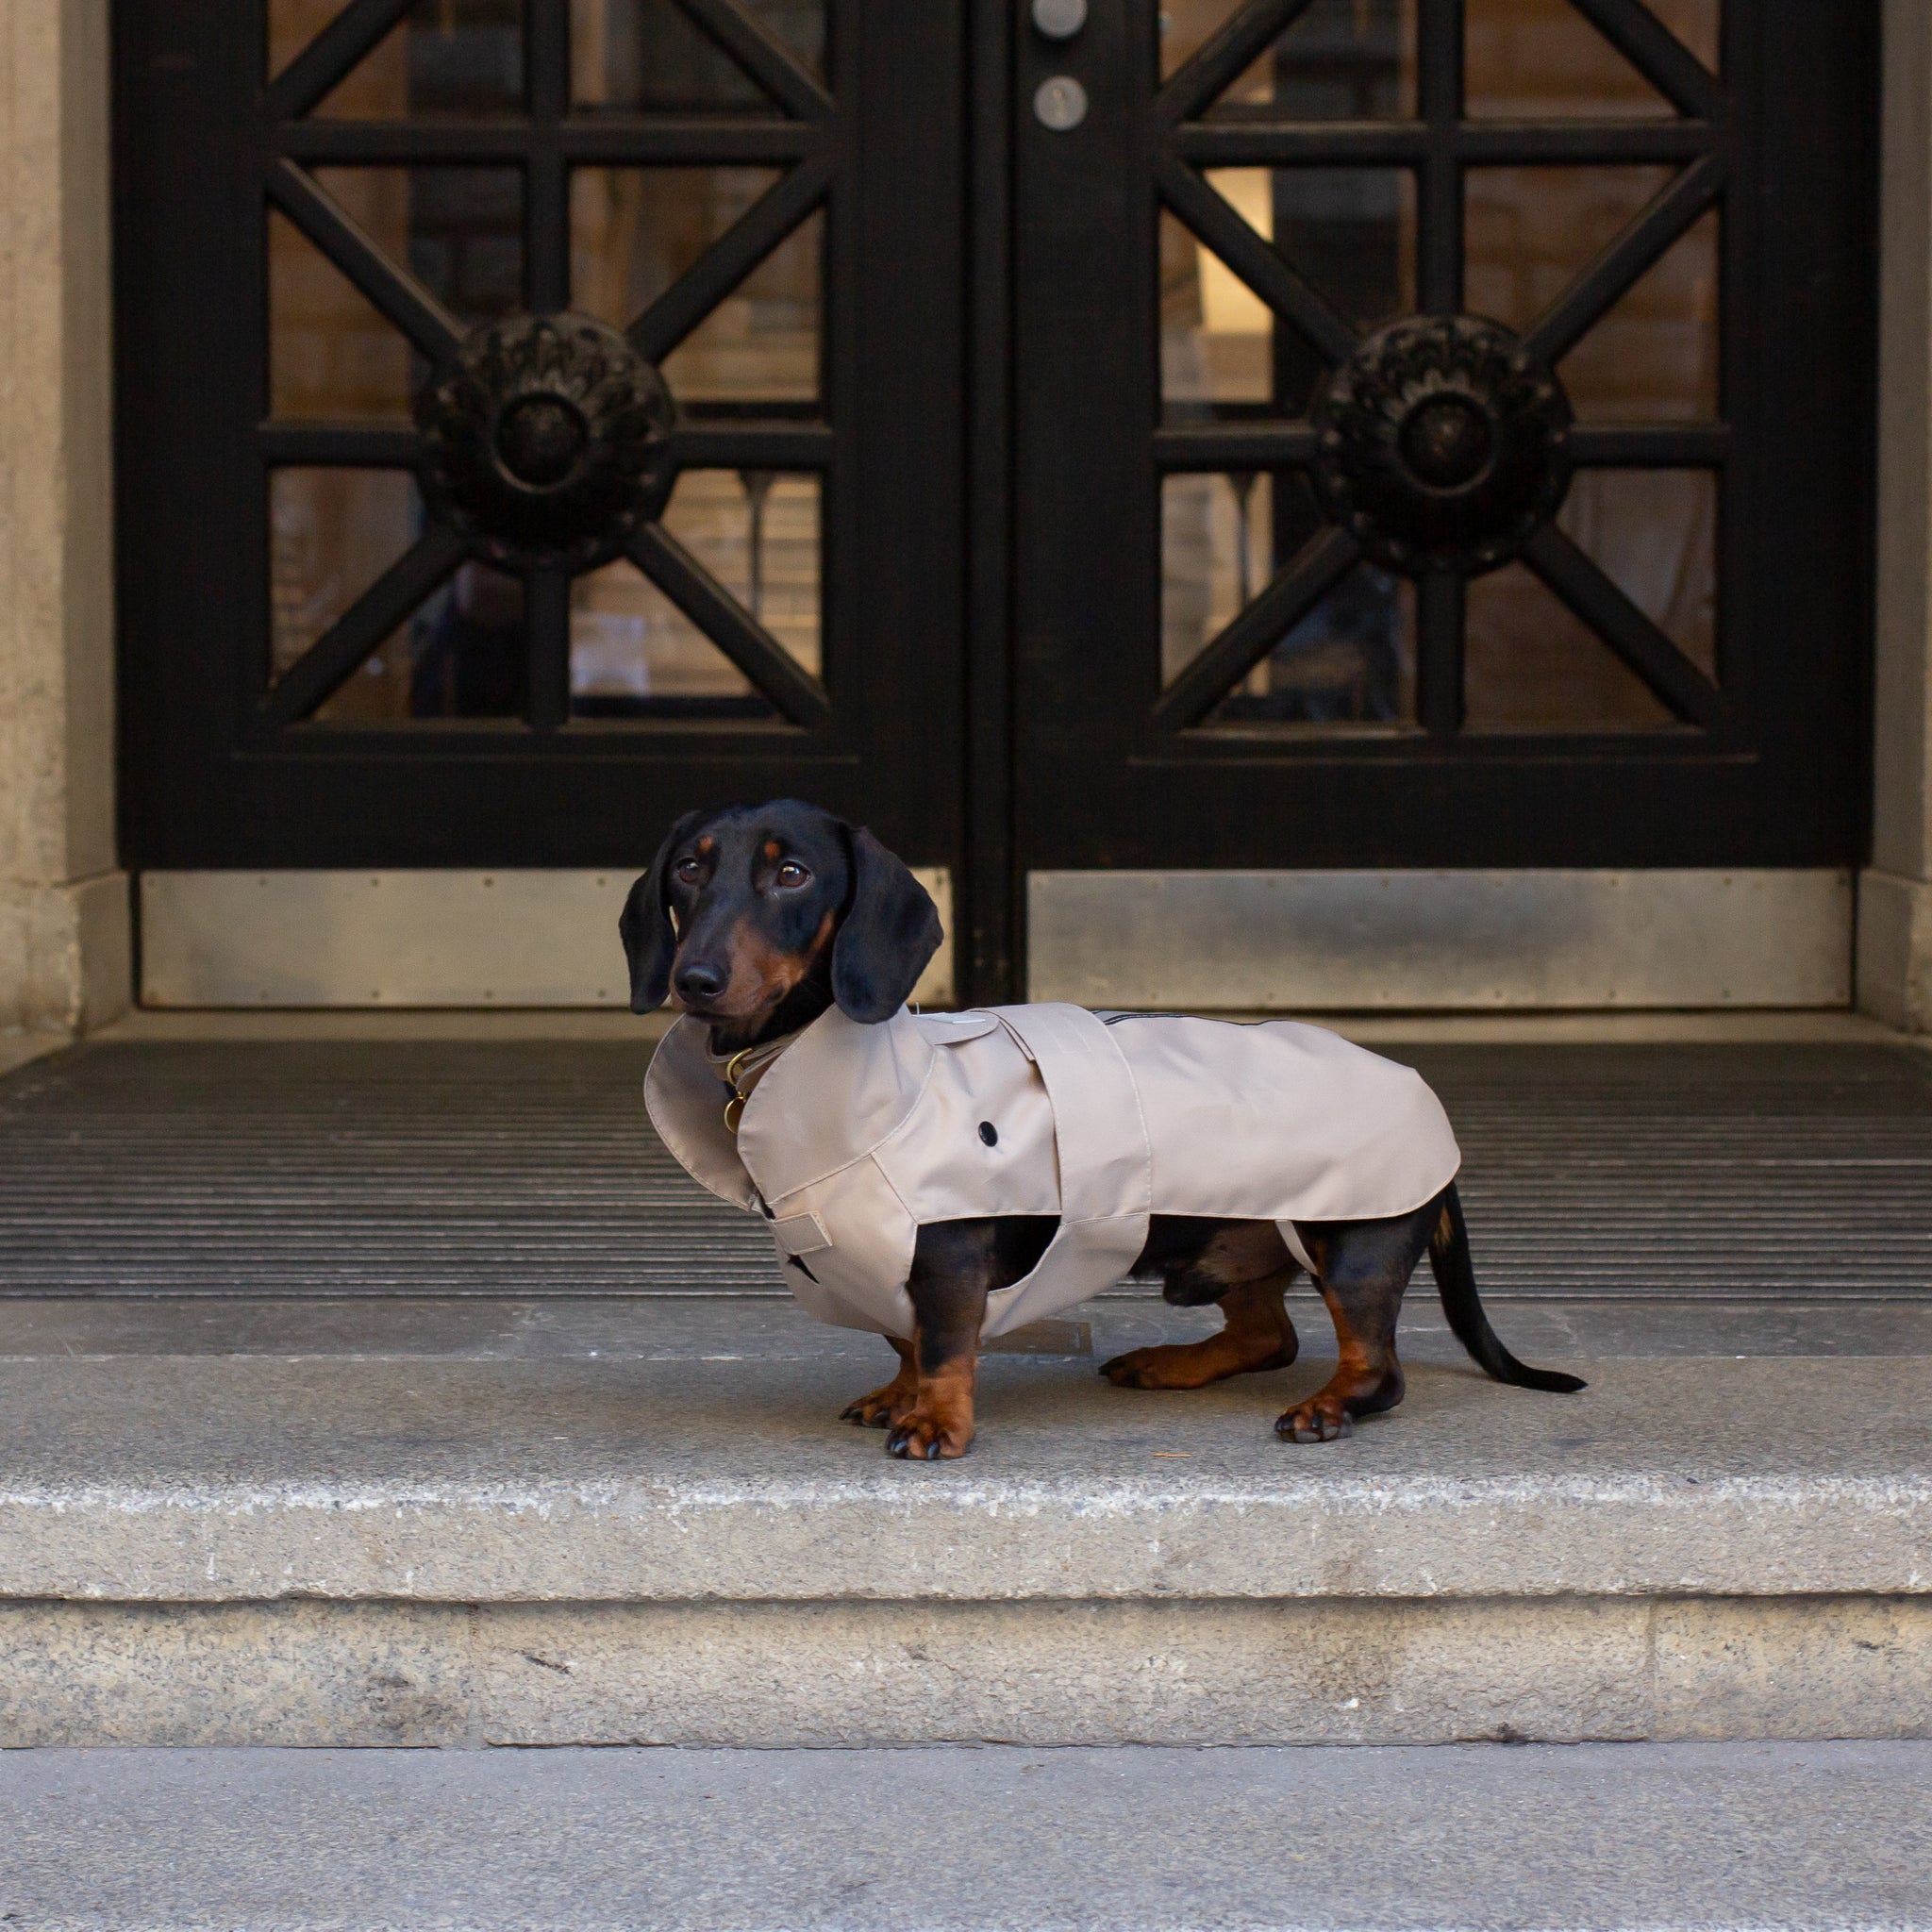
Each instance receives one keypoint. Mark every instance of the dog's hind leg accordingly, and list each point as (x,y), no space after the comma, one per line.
(1258,1336)
(1243,1267)
(1362,1270)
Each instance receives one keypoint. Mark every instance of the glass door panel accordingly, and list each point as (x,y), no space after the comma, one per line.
(581,418)
(1447,536)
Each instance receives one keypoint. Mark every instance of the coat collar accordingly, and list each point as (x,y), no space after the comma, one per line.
(837,1093)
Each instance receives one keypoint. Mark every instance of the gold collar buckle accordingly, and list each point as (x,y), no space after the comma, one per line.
(734,1108)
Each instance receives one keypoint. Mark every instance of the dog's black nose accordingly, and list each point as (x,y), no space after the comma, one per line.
(700,982)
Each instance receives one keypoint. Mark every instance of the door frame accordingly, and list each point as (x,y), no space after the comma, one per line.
(991,888)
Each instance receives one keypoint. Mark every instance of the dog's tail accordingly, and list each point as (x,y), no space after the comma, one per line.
(1455,1272)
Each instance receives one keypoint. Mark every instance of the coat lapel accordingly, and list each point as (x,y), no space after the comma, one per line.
(686,1103)
(835,1094)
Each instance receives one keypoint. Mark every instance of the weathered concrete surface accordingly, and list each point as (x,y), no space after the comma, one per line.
(1792,1667)
(1297,1672)
(208,1479)
(1584,1836)
(471,1523)
(289,1672)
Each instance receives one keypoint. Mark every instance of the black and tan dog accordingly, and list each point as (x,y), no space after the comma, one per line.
(758,920)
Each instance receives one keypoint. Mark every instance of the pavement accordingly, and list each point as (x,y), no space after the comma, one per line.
(1744,1836)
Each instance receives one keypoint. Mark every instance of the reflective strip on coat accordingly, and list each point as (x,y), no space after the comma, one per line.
(857,1135)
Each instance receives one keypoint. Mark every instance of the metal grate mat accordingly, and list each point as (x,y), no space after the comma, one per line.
(528,1168)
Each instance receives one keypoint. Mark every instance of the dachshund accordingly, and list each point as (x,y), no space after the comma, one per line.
(758,920)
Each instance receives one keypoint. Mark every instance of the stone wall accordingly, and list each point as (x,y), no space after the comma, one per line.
(64,928)
(1896,894)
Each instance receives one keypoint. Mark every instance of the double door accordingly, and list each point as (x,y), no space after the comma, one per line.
(1262,433)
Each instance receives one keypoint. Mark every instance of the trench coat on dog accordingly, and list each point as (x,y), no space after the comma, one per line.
(855,1135)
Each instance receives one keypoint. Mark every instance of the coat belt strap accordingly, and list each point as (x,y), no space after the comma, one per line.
(1107,1165)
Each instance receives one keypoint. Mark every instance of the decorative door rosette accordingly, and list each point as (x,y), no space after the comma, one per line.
(549,444)
(1443,444)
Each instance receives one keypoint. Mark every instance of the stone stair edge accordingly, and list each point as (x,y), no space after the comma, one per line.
(860,1673)
(642,1481)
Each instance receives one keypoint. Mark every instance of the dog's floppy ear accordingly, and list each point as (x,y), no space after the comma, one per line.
(645,926)
(891,929)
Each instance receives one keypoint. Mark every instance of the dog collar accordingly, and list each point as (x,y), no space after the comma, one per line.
(740,1073)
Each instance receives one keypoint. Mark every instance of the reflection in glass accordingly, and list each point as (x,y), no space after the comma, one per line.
(1339,60)
(1696,23)
(1653,532)
(443,58)
(648,56)
(459,231)
(463,655)
(291,25)
(1350,232)
(1184,29)
(634,654)
(1532,231)
(634,231)
(1654,356)
(1217,335)
(1542,59)
(330,353)
(1350,661)
(466,237)
(1530,665)
(467,655)
(331,534)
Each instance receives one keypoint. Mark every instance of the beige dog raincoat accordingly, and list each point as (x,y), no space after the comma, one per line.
(855,1135)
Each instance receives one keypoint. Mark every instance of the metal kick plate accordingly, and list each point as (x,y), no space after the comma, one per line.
(408,939)
(1309,942)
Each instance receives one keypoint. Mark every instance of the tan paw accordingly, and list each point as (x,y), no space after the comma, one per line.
(1323,1418)
(1194,1364)
(1167,1367)
(881,1409)
(929,1436)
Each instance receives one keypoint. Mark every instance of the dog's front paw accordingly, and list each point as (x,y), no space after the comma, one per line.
(927,1436)
(886,1405)
(878,1411)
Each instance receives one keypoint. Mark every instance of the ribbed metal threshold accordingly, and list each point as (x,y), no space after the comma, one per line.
(460,1168)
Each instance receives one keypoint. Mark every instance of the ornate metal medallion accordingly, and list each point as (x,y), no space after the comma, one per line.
(1444,445)
(548,443)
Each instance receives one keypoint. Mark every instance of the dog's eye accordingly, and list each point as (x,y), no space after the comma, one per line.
(791,873)
(688,869)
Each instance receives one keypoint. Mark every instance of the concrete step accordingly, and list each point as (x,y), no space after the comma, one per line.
(1582,1836)
(666,1536)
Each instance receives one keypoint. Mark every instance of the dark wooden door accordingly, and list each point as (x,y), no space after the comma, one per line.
(1444,432)
(537,417)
